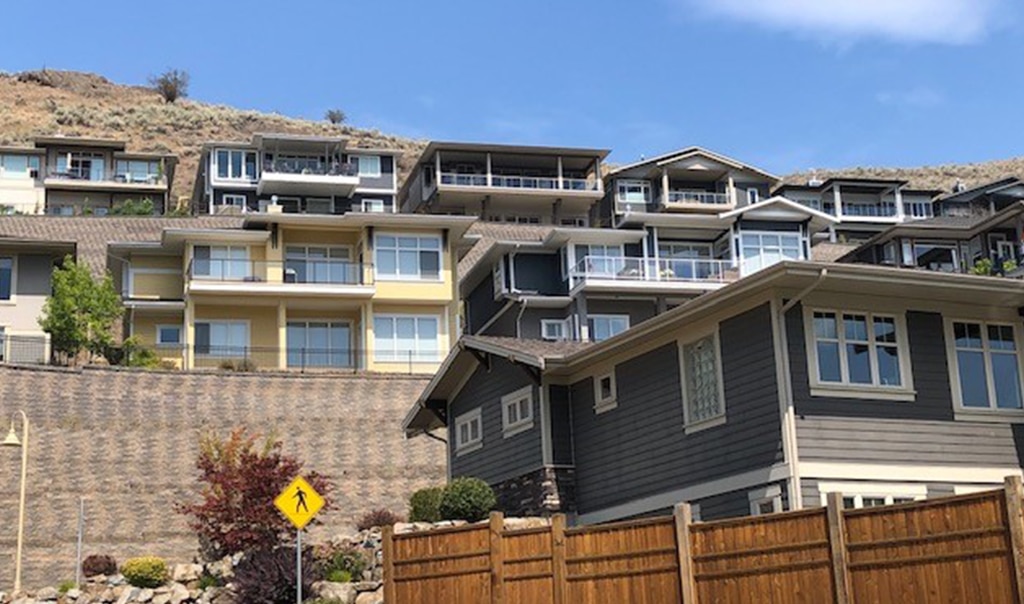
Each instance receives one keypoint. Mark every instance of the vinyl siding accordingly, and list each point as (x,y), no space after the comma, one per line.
(481,305)
(561,425)
(500,458)
(812,494)
(640,449)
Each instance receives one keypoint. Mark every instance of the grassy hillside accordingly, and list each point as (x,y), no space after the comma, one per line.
(72,103)
(49,102)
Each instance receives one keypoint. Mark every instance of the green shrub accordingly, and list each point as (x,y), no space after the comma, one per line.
(339,576)
(146,571)
(380,517)
(467,498)
(207,581)
(99,564)
(423,505)
(66,586)
(340,561)
(130,207)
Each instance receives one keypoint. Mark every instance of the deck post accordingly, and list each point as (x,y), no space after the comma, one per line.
(684,549)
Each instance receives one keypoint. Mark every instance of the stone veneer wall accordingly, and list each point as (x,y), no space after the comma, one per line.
(542,492)
(126,440)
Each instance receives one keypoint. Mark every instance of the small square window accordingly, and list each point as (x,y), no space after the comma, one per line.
(604,392)
(553,329)
(168,335)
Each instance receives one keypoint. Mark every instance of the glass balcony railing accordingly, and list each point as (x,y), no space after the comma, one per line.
(326,272)
(869,210)
(93,175)
(640,269)
(542,183)
(292,166)
(699,197)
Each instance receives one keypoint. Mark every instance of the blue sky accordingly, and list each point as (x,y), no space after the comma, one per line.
(783,84)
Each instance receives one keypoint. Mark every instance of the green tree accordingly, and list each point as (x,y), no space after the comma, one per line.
(81,312)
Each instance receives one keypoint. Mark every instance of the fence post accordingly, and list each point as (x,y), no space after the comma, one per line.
(1013,490)
(837,546)
(558,583)
(389,564)
(684,550)
(497,528)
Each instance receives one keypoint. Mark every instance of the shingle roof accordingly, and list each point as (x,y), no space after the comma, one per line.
(543,349)
(491,232)
(831,252)
(93,233)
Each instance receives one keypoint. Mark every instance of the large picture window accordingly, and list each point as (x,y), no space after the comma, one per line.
(408,258)
(857,351)
(236,164)
(761,250)
(222,338)
(987,365)
(703,400)
(369,165)
(319,344)
(406,338)
(603,327)
(319,264)
(221,262)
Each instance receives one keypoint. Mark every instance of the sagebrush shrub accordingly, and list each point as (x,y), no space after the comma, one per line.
(379,517)
(99,564)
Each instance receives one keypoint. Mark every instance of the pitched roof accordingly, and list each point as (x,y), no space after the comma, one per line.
(988,187)
(93,233)
(538,349)
(489,233)
(688,152)
(831,252)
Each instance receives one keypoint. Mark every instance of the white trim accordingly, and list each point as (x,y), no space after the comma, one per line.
(908,473)
(591,318)
(967,489)
(546,447)
(845,388)
(513,400)
(225,196)
(787,415)
(888,491)
(770,494)
(470,445)
(561,323)
(691,426)
(373,201)
(691,493)
(990,413)
(397,276)
(373,174)
(605,404)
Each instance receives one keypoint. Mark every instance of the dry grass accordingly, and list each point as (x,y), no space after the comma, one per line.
(47,102)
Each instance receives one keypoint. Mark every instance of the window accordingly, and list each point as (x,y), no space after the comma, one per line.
(222,338)
(319,264)
(168,335)
(600,260)
(603,327)
(406,338)
(408,258)
(987,366)
(632,194)
(859,350)
(858,495)
(319,205)
(554,330)
(318,344)
(918,209)
(236,164)
(372,205)
(761,250)
(6,277)
(18,166)
(703,399)
(765,501)
(468,432)
(605,396)
(137,170)
(940,257)
(223,262)
(368,165)
(517,411)
(753,196)
(235,201)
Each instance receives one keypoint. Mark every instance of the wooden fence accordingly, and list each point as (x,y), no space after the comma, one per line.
(968,548)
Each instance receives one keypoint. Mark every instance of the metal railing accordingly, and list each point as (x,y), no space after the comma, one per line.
(79,174)
(701,197)
(543,183)
(325,271)
(300,358)
(640,269)
(25,349)
(285,166)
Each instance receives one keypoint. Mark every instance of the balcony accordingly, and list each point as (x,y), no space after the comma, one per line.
(654,274)
(292,177)
(702,200)
(291,277)
(87,178)
(537,183)
(861,210)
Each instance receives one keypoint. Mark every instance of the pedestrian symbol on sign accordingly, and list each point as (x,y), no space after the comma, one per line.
(301,496)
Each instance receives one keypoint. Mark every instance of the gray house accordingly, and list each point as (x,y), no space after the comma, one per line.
(299,174)
(765,395)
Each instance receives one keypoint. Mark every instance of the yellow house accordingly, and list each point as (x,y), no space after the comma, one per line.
(358,291)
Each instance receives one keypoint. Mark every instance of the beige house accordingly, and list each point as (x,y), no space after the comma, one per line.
(26,266)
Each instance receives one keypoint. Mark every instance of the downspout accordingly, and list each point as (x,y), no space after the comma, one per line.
(789,437)
(519,317)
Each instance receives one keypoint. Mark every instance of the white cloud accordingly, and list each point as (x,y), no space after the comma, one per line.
(939,21)
(918,98)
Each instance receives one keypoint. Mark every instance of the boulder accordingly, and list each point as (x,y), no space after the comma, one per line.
(371,597)
(127,595)
(183,573)
(179,594)
(163,598)
(47,594)
(344,593)
(144,595)
(72,594)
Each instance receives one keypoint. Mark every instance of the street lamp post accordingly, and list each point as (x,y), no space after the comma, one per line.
(12,441)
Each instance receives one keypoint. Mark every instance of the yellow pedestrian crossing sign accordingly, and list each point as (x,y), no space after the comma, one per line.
(299,502)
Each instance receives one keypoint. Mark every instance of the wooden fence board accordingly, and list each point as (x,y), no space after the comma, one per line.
(966,548)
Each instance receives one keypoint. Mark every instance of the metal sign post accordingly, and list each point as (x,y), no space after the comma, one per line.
(298,566)
(299,503)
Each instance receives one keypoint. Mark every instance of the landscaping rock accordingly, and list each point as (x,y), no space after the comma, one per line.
(183,573)
(344,593)
(371,597)
(47,594)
